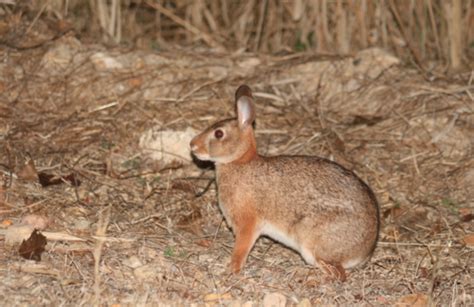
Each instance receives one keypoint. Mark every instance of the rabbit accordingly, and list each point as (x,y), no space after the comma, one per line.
(310,204)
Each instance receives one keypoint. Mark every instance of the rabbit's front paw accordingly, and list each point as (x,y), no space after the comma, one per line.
(236,265)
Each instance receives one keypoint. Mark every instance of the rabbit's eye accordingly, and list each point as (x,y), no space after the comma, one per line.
(218,134)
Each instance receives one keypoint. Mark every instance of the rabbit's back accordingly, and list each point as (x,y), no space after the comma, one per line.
(309,182)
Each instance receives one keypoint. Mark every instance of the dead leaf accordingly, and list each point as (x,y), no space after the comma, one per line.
(424,272)
(71,178)
(6,223)
(413,300)
(17,233)
(382,300)
(366,120)
(185,186)
(191,222)
(63,25)
(464,211)
(49,179)
(204,243)
(4,28)
(469,239)
(467,218)
(394,212)
(135,82)
(466,215)
(32,248)
(46,179)
(28,172)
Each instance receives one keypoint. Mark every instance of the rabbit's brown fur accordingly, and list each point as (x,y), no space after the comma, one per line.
(312,205)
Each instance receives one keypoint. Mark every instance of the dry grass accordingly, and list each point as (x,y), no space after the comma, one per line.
(416,31)
(149,239)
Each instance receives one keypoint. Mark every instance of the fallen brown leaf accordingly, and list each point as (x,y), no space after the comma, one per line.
(32,248)
(46,179)
(424,272)
(6,223)
(467,218)
(135,82)
(469,239)
(49,179)
(204,243)
(465,211)
(28,172)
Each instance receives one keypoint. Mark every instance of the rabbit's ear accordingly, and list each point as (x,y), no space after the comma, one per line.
(245,111)
(244,104)
(243,90)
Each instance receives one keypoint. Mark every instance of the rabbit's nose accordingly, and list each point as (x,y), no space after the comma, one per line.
(193,145)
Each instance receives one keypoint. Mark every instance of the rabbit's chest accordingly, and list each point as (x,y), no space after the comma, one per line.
(235,196)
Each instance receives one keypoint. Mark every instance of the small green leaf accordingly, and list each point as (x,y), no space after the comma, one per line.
(169,252)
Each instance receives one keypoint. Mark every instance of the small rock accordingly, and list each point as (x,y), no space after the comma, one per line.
(104,62)
(82,224)
(133,262)
(146,272)
(304,303)
(36,221)
(274,300)
(60,56)
(18,233)
(167,145)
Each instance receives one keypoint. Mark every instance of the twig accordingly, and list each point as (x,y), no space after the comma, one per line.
(168,13)
(100,233)
(435,29)
(199,194)
(407,40)
(149,217)
(416,244)
(37,17)
(198,88)
(263,9)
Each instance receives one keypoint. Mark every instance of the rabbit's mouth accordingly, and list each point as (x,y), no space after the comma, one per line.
(197,151)
(201,156)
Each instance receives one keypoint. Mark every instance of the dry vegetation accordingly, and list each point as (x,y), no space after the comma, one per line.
(420,32)
(136,231)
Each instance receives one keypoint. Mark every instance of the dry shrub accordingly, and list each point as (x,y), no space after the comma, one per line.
(418,31)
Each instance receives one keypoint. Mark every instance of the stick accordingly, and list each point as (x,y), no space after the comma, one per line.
(168,13)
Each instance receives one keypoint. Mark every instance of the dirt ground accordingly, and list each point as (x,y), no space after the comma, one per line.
(125,229)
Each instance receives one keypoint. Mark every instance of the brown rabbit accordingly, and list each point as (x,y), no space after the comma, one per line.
(310,204)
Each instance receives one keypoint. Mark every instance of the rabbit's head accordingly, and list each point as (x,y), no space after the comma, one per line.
(230,140)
